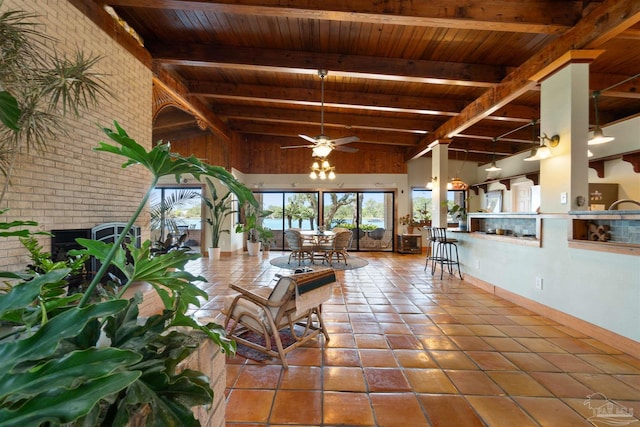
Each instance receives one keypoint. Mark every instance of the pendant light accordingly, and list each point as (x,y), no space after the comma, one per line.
(493,167)
(534,151)
(598,135)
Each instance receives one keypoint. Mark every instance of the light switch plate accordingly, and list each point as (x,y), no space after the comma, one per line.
(563,198)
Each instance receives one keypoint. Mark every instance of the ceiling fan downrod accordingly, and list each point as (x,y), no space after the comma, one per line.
(322,73)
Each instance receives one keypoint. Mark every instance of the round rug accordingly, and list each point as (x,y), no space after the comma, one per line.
(353,263)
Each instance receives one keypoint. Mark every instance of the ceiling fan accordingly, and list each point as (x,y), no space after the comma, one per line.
(322,145)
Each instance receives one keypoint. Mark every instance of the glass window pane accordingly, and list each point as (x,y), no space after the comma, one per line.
(421,200)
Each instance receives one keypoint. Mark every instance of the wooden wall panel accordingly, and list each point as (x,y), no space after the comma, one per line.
(207,147)
(269,158)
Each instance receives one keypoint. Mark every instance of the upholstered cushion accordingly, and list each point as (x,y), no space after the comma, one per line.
(309,281)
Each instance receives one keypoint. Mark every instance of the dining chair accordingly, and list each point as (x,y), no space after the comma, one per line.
(339,248)
(299,249)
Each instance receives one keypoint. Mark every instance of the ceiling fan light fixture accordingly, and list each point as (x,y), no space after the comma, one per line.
(322,170)
(322,150)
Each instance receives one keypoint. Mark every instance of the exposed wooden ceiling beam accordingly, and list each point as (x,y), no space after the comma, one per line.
(331,119)
(343,99)
(173,86)
(283,61)
(280,129)
(169,135)
(606,20)
(527,16)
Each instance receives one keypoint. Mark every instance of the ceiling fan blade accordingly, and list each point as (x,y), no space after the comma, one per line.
(345,140)
(297,146)
(346,149)
(308,138)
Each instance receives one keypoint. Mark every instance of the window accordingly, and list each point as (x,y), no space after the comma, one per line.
(176,210)
(368,213)
(421,202)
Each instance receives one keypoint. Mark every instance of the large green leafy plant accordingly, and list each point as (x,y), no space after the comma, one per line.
(219,208)
(89,359)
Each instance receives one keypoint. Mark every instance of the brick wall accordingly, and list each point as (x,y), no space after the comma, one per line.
(72,186)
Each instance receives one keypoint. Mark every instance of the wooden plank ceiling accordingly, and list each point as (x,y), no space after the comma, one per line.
(399,73)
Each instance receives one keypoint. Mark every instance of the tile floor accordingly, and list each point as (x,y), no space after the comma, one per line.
(410,350)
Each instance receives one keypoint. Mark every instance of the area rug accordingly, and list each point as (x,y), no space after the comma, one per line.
(353,263)
(258,356)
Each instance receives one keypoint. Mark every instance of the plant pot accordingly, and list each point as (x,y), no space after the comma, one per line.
(214,253)
(253,248)
(462,225)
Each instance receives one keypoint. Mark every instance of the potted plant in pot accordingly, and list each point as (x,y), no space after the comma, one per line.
(219,209)
(253,227)
(459,213)
(88,358)
(266,237)
(409,222)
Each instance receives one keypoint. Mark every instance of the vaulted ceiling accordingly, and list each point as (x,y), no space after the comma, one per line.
(400,72)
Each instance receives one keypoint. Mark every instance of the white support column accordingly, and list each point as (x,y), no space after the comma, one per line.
(564,111)
(440,170)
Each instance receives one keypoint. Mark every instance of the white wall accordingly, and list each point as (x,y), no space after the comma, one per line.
(598,287)
(627,136)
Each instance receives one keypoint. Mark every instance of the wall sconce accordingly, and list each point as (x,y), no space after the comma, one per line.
(430,184)
(454,184)
(543,151)
(546,143)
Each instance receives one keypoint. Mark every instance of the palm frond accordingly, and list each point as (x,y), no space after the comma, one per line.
(71,84)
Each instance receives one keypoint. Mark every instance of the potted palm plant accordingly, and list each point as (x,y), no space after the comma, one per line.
(219,209)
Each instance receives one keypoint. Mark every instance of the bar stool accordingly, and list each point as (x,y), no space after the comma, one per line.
(445,249)
(431,248)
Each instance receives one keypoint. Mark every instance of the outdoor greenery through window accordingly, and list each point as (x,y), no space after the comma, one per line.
(175,210)
(369,214)
(421,203)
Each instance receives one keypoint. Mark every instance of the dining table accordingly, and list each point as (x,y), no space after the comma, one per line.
(320,241)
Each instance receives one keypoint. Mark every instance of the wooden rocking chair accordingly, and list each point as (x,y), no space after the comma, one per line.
(294,304)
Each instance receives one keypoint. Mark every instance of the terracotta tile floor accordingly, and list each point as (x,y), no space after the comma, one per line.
(410,350)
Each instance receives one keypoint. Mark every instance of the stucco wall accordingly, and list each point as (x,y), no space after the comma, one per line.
(598,287)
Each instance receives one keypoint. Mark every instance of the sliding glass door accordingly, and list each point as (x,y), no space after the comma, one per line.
(288,210)
(369,214)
